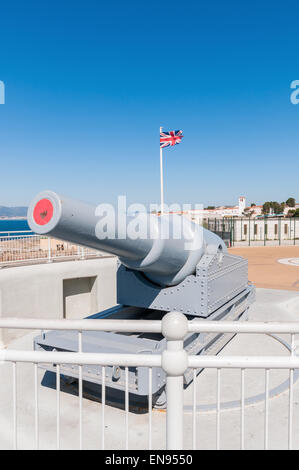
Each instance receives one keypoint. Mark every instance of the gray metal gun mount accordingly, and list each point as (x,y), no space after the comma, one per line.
(175,265)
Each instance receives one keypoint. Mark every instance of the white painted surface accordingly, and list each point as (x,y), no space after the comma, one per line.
(270,306)
(36,291)
(289,261)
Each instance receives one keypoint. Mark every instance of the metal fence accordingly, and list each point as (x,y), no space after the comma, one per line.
(259,231)
(21,247)
(174,361)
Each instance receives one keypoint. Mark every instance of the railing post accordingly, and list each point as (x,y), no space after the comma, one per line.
(1,339)
(174,363)
(49,250)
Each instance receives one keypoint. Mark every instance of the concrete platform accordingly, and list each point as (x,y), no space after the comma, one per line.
(271,305)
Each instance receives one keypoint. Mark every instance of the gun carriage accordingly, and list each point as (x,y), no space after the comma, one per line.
(192,273)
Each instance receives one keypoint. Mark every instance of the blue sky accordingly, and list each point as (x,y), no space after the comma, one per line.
(89,83)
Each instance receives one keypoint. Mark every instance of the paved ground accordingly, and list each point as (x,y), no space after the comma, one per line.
(271,305)
(264,268)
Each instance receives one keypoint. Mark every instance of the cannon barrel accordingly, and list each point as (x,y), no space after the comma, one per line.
(166,252)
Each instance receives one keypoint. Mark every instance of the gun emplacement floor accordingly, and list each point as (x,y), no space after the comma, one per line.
(264,270)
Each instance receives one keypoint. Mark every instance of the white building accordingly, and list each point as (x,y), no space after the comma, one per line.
(225,211)
(219,212)
(271,229)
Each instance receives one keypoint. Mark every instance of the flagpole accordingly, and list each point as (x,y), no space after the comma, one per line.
(161,178)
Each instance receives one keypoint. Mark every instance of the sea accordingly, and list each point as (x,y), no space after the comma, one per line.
(12,225)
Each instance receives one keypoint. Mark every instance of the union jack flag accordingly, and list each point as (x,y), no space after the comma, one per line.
(170,138)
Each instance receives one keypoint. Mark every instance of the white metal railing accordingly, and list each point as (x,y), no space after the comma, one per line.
(27,247)
(243,363)
(174,360)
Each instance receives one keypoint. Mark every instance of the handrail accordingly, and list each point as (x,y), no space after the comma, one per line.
(130,326)
(153,326)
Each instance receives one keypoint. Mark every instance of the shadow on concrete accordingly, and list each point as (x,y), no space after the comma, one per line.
(91,391)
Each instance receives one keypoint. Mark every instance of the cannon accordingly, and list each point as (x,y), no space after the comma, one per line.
(166,263)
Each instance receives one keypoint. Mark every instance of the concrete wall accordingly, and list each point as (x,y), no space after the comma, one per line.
(72,289)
